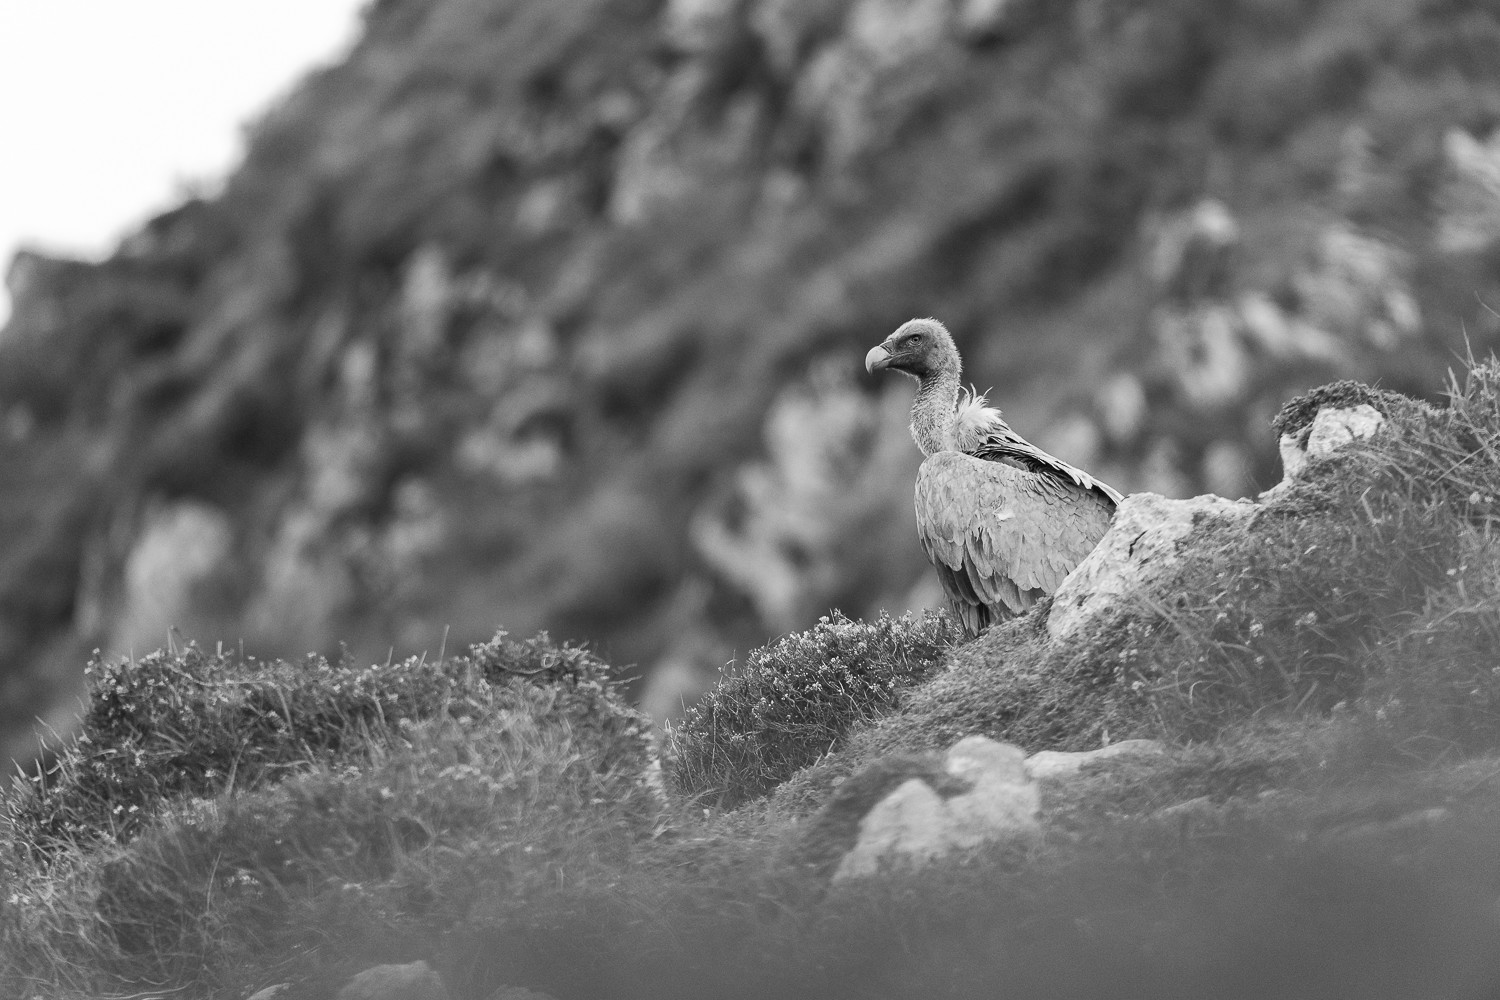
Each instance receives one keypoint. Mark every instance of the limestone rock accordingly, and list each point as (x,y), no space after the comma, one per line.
(1331,430)
(1142,542)
(1470,197)
(184,547)
(519,993)
(1003,799)
(1383,828)
(789,29)
(412,981)
(916,823)
(983,18)
(1192,251)
(703,27)
(1050,765)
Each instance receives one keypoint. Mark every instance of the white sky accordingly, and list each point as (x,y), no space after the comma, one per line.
(110,109)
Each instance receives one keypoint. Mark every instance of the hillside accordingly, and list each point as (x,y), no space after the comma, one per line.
(549,315)
(1296,794)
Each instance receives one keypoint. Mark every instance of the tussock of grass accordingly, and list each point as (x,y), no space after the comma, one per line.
(197,724)
(797,698)
(221,817)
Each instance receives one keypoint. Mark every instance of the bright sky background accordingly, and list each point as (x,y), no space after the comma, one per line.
(110,109)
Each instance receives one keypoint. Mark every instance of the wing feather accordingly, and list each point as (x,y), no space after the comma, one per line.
(1000,536)
(981,431)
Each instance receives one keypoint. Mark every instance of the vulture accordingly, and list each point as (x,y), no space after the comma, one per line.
(1001,520)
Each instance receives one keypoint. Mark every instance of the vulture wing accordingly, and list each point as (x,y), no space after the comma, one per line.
(1000,536)
(982,432)
(1003,521)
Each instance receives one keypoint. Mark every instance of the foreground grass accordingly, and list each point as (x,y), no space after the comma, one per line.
(1324,670)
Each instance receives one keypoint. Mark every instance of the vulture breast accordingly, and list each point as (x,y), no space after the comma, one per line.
(1002,536)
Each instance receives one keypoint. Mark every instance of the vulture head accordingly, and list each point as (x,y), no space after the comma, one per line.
(920,348)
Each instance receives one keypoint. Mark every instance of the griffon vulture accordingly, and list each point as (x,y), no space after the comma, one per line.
(1002,520)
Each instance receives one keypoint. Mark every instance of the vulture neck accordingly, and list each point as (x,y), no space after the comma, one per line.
(935,412)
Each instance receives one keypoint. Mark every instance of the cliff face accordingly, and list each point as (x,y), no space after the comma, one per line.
(549,315)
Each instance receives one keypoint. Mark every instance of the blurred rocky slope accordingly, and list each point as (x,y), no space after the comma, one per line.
(549,315)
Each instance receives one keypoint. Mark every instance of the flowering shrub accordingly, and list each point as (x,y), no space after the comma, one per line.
(797,698)
(190,723)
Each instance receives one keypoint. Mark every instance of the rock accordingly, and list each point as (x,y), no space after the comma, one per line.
(519,993)
(1204,349)
(1003,799)
(1142,542)
(412,981)
(183,548)
(1330,430)
(270,992)
(1201,807)
(1270,329)
(979,19)
(917,823)
(703,27)
(1368,829)
(1359,288)
(890,32)
(1469,200)
(425,303)
(1191,255)
(789,29)
(1051,765)
(779,539)
(908,824)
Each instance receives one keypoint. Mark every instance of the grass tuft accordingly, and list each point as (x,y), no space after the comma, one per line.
(798,698)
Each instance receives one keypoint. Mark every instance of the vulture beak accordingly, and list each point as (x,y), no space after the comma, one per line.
(877,359)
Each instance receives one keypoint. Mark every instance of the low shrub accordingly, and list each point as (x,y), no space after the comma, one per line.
(194,724)
(222,818)
(798,698)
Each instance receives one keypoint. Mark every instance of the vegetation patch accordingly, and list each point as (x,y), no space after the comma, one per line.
(1378,558)
(797,699)
(217,814)
(1324,818)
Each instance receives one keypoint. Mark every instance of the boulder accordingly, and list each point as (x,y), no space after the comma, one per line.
(518,993)
(1050,765)
(183,550)
(704,27)
(270,992)
(412,981)
(1331,430)
(991,798)
(1143,542)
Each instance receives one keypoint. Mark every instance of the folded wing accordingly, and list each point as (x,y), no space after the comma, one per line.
(1004,529)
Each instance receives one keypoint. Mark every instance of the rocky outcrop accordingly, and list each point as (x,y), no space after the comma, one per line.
(1329,431)
(1054,765)
(184,551)
(982,792)
(560,263)
(1144,543)
(1149,531)
(412,981)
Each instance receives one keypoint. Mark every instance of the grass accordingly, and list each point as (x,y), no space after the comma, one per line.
(798,698)
(224,824)
(1380,558)
(218,816)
